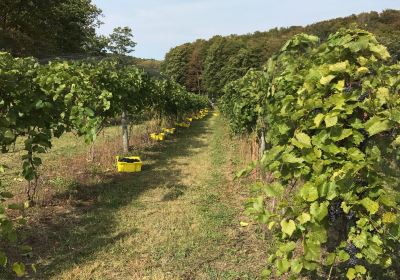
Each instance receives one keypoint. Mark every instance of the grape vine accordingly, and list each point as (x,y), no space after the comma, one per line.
(331,113)
(40,102)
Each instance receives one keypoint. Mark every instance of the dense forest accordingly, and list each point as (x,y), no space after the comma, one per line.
(206,66)
(50,29)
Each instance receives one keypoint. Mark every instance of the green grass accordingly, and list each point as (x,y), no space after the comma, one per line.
(177,219)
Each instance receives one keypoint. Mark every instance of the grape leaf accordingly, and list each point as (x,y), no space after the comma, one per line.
(304,218)
(309,192)
(318,119)
(19,269)
(319,211)
(371,206)
(304,139)
(330,120)
(288,227)
(326,80)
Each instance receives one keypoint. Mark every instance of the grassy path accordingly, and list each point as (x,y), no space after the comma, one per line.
(178,219)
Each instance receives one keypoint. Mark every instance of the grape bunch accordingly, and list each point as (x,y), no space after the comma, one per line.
(347,89)
(390,133)
(335,210)
(352,251)
(363,96)
(350,215)
(317,111)
(361,182)
(363,144)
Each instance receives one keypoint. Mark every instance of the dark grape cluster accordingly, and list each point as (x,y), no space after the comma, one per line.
(347,89)
(364,133)
(363,96)
(317,111)
(350,215)
(363,144)
(352,251)
(361,182)
(335,210)
(390,133)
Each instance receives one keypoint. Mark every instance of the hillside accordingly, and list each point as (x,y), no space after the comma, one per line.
(207,65)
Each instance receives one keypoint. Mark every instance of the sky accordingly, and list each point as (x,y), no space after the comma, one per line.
(159,25)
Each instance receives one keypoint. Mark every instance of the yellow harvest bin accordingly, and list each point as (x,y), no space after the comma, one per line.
(189,119)
(183,125)
(157,137)
(161,136)
(129,164)
(169,130)
(154,136)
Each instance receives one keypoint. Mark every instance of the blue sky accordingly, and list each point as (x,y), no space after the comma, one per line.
(159,25)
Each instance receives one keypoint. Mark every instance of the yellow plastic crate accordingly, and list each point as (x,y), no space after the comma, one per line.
(189,119)
(154,136)
(129,166)
(169,130)
(183,125)
(157,137)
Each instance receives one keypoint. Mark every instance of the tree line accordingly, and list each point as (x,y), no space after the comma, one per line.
(66,29)
(206,66)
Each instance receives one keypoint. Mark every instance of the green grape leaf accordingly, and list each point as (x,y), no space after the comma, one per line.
(282,266)
(286,248)
(376,125)
(330,258)
(343,256)
(360,240)
(326,80)
(389,218)
(360,269)
(304,139)
(380,51)
(371,206)
(330,120)
(318,119)
(296,265)
(3,259)
(288,227)
(339,67)
(266,273)
(309,192)
(383,95)
(312,251)
(304,218)
(317,234)
(362,70)
(19,269)
(351,273)
(319,211)
(344,207)
(291,158)
(338,134)
(274,189)
(355,154)
(9,135)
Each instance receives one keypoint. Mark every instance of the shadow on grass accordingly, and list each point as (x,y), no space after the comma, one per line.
(68,238)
